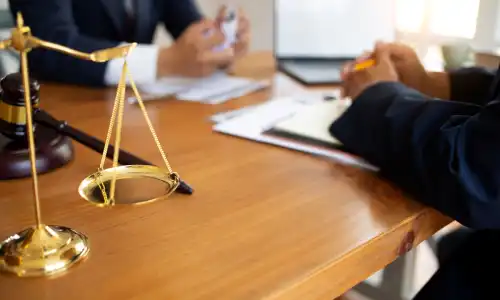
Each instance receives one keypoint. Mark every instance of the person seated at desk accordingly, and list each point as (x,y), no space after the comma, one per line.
(89,25)
(444,153)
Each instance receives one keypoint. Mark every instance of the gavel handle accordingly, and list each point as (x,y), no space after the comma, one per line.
(43,118)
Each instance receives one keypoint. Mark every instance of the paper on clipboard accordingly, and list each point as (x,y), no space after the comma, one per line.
(253,123)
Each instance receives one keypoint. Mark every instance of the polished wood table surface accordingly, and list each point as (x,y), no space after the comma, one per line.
(264,222)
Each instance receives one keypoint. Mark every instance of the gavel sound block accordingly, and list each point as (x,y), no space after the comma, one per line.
(53,150)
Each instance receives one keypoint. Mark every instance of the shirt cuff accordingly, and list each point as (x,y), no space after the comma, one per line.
(142,64)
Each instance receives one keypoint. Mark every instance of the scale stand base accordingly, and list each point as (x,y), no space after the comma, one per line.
(42,251)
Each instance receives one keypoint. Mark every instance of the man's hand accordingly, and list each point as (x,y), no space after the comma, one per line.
(193,53)
(410,70)
(355,82)
(243,34)
(412,73)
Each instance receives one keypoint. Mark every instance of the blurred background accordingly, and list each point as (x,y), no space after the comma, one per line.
(426,24)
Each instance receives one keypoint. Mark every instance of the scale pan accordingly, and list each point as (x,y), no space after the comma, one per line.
(135,184)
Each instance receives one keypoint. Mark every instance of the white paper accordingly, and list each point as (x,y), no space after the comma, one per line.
(226,115)
(252,124)
(214,89)
(167,86)
(284,87)
(314,121)
(230,26)
(217,88)
(239,92)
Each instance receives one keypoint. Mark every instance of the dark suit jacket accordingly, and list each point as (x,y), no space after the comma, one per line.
(89,25)
(447,155)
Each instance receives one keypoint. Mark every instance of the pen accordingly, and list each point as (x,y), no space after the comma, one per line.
(364,64)
(125,158)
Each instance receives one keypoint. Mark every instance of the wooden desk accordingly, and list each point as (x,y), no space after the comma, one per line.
(264,223)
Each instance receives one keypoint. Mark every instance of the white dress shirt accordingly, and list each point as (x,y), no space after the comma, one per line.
(142,61)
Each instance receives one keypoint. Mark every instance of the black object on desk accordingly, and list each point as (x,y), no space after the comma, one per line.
(52,139)
(310,71)
(125,158)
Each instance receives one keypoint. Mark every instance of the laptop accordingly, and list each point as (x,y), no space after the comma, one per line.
(313,39)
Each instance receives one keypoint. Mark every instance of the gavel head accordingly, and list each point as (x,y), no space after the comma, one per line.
(12,105)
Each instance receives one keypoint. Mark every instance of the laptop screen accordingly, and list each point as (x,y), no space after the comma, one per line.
(331,28)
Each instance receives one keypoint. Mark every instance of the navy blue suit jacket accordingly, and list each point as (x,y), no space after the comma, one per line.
(445,153)
(89,25)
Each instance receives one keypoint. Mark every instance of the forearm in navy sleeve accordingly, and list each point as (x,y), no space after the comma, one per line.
(178,15)
(445,153)
(471,85)
(53,21)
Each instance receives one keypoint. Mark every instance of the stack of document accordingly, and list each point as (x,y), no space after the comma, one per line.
(263,123)
(214,89)
(311,125)
(285,87)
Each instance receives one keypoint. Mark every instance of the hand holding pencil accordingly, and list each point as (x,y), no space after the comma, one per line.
(366,60)
(367,71)
(367,63)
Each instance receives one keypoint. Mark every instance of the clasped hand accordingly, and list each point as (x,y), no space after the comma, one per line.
(393,62)
(357,81)
(195,53)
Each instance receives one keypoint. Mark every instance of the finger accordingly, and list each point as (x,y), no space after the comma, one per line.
(347,82)
(382,54)
(221,12)
(243,42)
(343,91)
(369,54)
(211,40)
(380,45)
(365,55)
(382,49)
(389,48)
(242,18)
(346,89)
(344,74)
(203,26)
(243,35)
(398,51)
(243,25)
(216,58)
(356,81)
(347,69)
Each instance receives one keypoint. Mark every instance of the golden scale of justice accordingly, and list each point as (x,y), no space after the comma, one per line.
(43,250)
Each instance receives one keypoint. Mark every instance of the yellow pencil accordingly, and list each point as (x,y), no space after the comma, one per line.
(364,64)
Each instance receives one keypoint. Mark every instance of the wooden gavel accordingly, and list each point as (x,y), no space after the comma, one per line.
(13,124)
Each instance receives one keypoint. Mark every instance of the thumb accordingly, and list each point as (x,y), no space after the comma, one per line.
(222,10)
(203,26)
(382,54)
(220,14)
